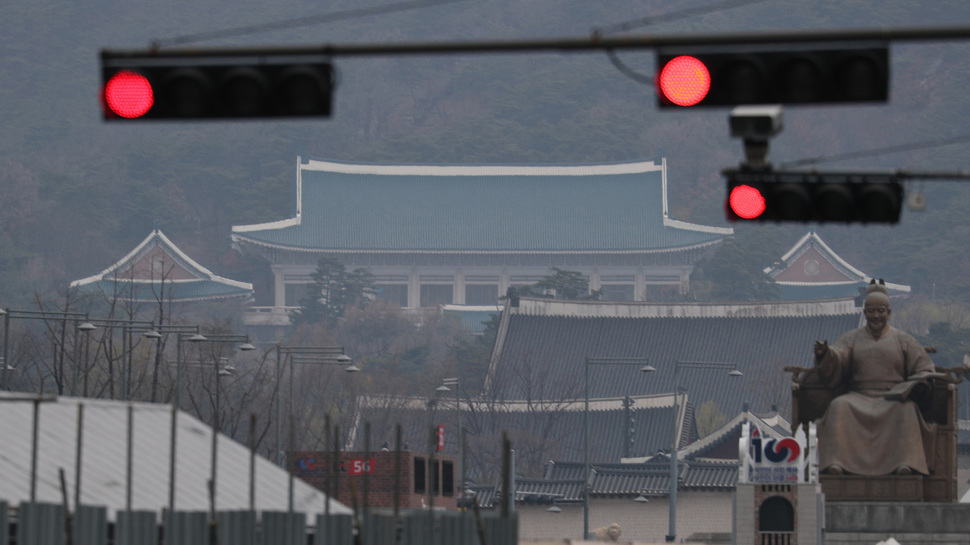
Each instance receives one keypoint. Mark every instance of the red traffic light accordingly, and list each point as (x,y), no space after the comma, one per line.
(842,197)
(781,73)
(128,94)
(142,86)
(684,81)
(746,202)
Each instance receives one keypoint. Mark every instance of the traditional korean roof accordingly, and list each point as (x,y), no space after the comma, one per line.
(604,208)
(811,270)
(104,474)
(651,479)
(556,337)
(563,480)
(561,421)
(157,269)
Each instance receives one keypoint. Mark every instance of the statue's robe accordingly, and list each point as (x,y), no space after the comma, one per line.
(863,432)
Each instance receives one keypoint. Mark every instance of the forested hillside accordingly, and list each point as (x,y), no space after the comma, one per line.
(76,194)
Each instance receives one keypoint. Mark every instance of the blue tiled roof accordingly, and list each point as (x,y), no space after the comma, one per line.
(601,208)
(183,291)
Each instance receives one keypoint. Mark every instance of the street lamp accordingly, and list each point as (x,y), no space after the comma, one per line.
(9,314)
(318,355)
(127,327)
(220,368)
(644,368)
(453,382)
(732,372)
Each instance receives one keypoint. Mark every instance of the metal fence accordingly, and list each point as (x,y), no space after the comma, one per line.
(51,524)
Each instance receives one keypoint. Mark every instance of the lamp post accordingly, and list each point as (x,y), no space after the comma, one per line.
(156,332)
(645,367)
(302,355)
(9,314)
(219,371)
(326,354)
(733,371)
(127,327)
(453,382)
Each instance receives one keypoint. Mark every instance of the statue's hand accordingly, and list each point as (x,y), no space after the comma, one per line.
(821,349)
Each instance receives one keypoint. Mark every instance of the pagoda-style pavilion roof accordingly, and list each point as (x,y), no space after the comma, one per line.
(157,269)
(811,270)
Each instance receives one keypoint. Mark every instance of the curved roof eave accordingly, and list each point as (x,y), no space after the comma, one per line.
(241,239)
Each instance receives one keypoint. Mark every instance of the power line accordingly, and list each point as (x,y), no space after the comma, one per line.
(671,16)
(646,21)
(876,151)
(300,22)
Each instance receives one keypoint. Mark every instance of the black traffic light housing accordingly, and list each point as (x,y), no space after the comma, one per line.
(846,197)
(150,86)
(790,73)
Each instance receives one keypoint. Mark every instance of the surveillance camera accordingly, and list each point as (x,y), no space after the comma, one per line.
(756,122)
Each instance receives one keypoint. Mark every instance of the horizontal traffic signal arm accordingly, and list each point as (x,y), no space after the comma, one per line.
(148,89)
(836,197)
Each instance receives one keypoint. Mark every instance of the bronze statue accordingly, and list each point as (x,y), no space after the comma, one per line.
(874,428)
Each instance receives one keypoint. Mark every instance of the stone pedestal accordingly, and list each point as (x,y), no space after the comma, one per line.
(909,523)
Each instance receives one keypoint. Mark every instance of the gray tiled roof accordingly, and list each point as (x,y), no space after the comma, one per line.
(761,339)
(562,425)
(584,208)
(651,479)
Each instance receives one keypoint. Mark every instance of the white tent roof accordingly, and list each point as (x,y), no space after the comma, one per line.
(104,445)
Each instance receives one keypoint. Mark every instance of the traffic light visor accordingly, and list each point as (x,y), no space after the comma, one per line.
(746,202)
(128,94)
(684,81)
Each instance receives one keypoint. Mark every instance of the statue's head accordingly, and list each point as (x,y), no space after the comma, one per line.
(876,306)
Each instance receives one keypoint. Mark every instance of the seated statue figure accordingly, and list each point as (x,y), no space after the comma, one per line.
(874,428)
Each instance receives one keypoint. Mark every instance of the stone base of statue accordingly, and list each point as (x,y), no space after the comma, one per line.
(909,523)
(911,488)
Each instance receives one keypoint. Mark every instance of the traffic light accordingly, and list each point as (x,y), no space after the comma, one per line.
(764,195)
(148,85)
(772,74)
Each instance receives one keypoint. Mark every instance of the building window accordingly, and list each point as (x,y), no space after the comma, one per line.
(616,292)
(435,478)
(393,294)
(433,295)
(481,294)
(419,476)
(447,478)
(294,293)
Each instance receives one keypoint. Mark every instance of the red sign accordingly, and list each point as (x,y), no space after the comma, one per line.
(441,437)
(360,466)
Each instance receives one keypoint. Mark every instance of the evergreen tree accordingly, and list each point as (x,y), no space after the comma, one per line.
(562,284)
(333,291)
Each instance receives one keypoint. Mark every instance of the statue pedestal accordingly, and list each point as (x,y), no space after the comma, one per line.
(911,488)
(885,488)
(852,523)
